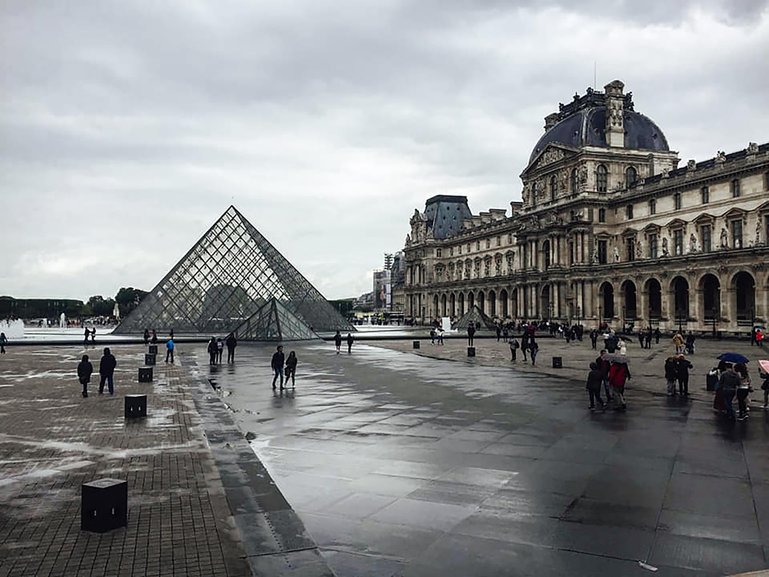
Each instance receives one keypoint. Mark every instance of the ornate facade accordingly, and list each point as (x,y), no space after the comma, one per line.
(610,229)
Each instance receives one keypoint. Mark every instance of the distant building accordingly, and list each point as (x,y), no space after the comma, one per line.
(609,230)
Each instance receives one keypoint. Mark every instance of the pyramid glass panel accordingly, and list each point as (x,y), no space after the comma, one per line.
(230,273)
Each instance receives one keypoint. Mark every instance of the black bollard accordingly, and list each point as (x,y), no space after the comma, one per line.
(103,505)
(470,351)
(145,374)
(415,344)
(557,362)
(135,406)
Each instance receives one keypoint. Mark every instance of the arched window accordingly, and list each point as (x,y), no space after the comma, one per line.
(631,175)
(601,178)
(573,182)
(553,187)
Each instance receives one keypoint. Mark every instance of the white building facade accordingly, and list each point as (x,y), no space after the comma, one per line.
(610,230)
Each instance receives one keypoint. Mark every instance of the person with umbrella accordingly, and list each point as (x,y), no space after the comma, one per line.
(743,389)
(727,384)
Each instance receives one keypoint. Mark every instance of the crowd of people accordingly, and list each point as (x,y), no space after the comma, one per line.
(216,349)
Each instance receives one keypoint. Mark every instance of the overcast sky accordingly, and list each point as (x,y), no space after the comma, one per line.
(127,128)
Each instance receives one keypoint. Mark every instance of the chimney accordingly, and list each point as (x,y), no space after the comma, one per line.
(615,104)
(551,120)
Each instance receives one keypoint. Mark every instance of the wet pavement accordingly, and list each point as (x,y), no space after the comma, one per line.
(407,465)
(52,440)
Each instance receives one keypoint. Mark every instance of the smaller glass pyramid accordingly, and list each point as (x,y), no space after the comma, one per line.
(274,322)
(476,315)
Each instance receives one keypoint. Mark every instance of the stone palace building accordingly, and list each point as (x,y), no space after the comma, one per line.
(610,229)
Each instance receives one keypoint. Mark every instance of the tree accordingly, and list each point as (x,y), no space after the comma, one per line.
(100,307)
(128,298)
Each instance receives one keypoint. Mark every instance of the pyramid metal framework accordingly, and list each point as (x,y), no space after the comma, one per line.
(476,315)
(274,322)
(229,275)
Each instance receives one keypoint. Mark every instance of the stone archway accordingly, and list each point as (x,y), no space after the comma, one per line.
(470,300)
(606,302)
(514,299)
(461,304)
(679,287)
(630,301)
(503,299)
(545,302)
(435,311)
(744,287)
(443,305)
(453,305)
(492,304)
(710,288)
(653,291)
(482,301)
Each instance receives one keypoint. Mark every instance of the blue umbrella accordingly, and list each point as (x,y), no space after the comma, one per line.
(733,358)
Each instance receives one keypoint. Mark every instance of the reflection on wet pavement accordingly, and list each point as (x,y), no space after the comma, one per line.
(405,465)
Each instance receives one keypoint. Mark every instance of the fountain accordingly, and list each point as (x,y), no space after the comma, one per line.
(12,329)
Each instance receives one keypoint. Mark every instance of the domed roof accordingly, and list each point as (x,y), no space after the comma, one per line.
(582,123)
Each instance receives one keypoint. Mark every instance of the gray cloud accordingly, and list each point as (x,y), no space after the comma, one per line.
(126,129)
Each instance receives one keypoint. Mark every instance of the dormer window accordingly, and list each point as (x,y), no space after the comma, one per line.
(601,178)
(631,175)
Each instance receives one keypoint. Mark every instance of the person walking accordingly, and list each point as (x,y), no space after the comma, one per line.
(765,388)
(727,384)
(470,333)
(682,374)
(593,386)
(154,339)
(86,336)
(350,341)
(743,389)
(291,362)
(619,373)
(594,338)
(440,335)
(84,372)
(657,335)
(3,342)
(146,337)
(107,371)
(170,350)
(498,331)
(525,346)
(277,363)
(338,341)
(533,350)
(604,365)
(212,351)
(219,350)
(93,336)
(513,349)
(678,343)
(231,343)
(670,375)
(759,337)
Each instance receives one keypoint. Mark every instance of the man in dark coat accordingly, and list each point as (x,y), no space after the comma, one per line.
(337,342)
(350,341)
(682,374)
(231,343)
(277,364)
(470,333)
(106,371)
(84,372)
(593,386)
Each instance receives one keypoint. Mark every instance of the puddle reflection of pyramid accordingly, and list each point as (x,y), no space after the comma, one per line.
(234,280)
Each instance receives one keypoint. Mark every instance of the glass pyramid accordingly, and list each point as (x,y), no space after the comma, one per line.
(230,273)
(274,322)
